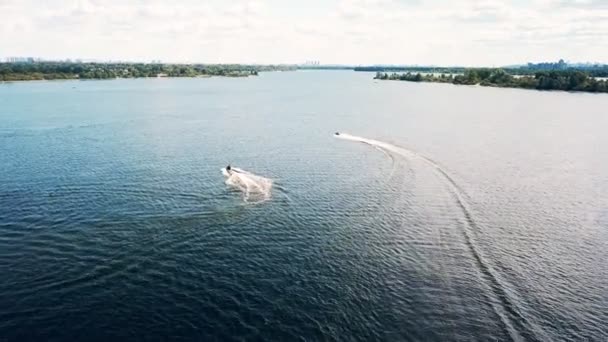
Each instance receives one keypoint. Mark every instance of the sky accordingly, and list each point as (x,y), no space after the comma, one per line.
(423,32)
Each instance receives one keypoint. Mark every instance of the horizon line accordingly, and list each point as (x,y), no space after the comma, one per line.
(32,59)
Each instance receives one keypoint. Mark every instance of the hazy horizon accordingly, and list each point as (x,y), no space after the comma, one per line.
(3,59)
(358,32)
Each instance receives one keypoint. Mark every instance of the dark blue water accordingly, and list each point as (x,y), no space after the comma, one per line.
(116,224)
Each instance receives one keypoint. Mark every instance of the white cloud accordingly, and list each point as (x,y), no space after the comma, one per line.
(466,32)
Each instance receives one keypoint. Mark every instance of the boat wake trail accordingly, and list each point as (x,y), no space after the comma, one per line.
(255,188)
(513,321)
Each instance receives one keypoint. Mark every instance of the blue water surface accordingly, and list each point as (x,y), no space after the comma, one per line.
(116,223)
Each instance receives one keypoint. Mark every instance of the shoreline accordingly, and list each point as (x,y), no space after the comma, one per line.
(574,81)
(499,87)
(47,71)
(120,78)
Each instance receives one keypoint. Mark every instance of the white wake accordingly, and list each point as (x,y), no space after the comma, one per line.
(254,188)
(380,145)
(390,148)
(505,308)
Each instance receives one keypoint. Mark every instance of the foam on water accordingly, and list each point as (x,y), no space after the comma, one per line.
(255,188)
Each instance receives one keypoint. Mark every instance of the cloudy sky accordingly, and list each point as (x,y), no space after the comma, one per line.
(446,32)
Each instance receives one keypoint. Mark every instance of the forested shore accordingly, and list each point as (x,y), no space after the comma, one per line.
(568,80)
(65,70)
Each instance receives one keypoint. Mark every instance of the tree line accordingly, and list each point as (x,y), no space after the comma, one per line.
(598,70)
(65,70)
(568,80)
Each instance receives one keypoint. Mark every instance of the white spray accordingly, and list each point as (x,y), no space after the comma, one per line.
(255,188)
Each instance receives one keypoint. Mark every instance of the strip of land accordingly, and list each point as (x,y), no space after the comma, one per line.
(65,70)
(568,80)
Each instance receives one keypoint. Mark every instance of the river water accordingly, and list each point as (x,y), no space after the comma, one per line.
(456,213)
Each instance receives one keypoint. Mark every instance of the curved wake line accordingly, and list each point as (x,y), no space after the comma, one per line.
(255,188)
(486,271)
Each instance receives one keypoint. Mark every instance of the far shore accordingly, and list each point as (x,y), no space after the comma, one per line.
(36,71)
(120,78)
(564,80)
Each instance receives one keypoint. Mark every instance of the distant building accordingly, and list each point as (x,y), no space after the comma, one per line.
(310,65)
(21,59)
(560,65)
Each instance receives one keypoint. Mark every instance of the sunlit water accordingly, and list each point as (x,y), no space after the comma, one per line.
(453,213)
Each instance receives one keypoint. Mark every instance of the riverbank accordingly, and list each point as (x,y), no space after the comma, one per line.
(568,80)
(70,71)
(113,79)
(26,78)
